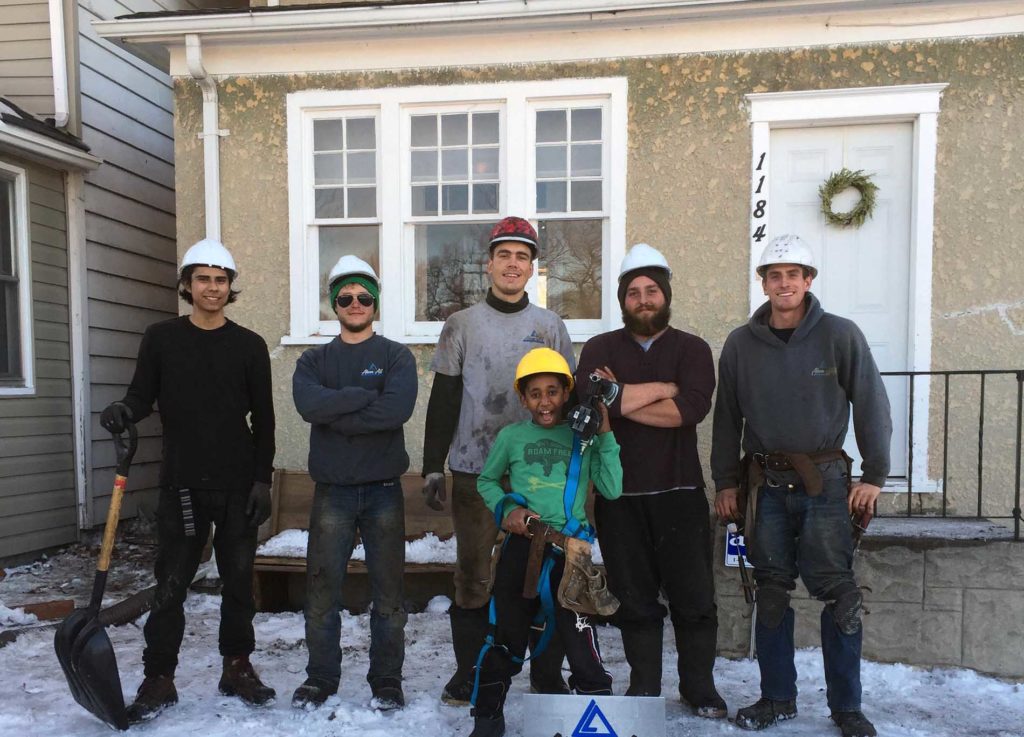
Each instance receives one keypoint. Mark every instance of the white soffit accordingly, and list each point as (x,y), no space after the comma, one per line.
(531,31)
(31,145)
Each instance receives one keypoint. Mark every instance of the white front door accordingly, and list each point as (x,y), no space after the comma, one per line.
(863,272)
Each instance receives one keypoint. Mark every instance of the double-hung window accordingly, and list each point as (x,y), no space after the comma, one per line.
(412,180)
(16,368)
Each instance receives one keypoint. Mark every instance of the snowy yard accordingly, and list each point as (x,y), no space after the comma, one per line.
(35,700)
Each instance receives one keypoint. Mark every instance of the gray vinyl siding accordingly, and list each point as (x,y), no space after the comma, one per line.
(26,73)
(127,110)
(38,501)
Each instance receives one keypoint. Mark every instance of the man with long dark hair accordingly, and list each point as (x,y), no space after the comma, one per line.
(211,380)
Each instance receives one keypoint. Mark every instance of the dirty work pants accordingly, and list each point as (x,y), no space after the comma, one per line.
(656,543)
(178,557)
(515,614)
(811,537)
(377,511)
(475,534)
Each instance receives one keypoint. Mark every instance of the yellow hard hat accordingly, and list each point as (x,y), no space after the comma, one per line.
(542,361)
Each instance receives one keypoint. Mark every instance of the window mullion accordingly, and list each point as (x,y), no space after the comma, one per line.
(393,206)
(514,176)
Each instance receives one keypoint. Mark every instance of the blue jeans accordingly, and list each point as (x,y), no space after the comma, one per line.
(811,537)
(377,511)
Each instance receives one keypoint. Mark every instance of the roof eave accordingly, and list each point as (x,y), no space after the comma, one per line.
(45,150)
(485,16)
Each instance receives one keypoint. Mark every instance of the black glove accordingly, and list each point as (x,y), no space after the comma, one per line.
(606,389)
(434,491)
(115,417)
(257,508)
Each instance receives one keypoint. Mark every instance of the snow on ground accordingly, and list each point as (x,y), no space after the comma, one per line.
(427,549)
(13,617)
(35,700)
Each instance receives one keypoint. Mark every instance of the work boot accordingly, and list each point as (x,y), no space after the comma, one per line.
(642,646)
(387,694)
(155,694)
(239,679)
(488,726)
(488,714)
(313,693)
(469,629)
(853,724)
(708,706)
(546,668)
(765,713)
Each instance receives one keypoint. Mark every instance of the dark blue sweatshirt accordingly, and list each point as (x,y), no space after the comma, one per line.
(357,397)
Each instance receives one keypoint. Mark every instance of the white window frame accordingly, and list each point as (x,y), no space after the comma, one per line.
(915,103)
(393,107)
(23,268)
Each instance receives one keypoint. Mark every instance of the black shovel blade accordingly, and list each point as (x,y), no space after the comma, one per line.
(63,642)
(87,658)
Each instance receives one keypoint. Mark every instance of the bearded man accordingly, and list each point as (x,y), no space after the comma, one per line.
(657,535)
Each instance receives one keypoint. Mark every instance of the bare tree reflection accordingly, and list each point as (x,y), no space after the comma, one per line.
(570,257)
(452,285)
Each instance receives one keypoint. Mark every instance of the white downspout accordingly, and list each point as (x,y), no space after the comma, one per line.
(59,61)
(210,135)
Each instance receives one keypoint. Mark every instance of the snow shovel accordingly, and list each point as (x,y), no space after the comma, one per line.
(82,645)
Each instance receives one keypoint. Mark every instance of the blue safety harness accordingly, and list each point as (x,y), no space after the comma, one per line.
(572,528)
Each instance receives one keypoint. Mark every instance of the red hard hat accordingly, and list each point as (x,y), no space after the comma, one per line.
(513,228)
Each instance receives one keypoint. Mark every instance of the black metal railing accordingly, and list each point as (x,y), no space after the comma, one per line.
(983,377)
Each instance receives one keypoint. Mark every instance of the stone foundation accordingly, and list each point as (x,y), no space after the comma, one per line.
(932,600)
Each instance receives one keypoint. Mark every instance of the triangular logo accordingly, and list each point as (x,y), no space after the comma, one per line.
(593,723)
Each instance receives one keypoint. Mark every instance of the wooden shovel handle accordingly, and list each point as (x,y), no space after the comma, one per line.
(113,515)
(124,450)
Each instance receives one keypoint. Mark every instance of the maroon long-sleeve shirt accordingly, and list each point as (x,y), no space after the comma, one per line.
(654,458)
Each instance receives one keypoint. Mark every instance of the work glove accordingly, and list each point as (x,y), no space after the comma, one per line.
(434,491)
(257,507)
(115,417)
(605,389)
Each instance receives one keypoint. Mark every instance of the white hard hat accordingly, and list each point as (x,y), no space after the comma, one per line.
(208,252)
(787,249)
(349,265)
(643,256)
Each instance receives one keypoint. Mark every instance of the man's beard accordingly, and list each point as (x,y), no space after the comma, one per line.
(649,323)
(357,327)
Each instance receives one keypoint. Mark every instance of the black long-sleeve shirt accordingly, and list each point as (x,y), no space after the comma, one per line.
(214,392)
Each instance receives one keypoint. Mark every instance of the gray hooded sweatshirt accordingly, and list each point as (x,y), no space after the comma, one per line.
(796,396)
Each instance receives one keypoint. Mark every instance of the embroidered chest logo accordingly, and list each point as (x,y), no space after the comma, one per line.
(547,453)
(372,370)
(824,370)
(533,338)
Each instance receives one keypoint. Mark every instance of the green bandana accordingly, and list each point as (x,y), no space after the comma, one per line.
(372,288)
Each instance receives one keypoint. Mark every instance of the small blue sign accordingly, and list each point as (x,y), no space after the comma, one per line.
(735,546)
(588,726)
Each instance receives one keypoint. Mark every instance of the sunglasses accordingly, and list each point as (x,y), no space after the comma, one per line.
(344,300)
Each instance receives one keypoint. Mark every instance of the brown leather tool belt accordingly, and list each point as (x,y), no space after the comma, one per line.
(541,535)
(805,465)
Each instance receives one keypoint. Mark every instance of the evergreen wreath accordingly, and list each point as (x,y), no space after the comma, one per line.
(839,181)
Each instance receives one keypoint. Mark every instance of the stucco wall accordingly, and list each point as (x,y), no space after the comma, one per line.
(689,159)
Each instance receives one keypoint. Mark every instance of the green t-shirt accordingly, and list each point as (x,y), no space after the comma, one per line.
(536,459)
